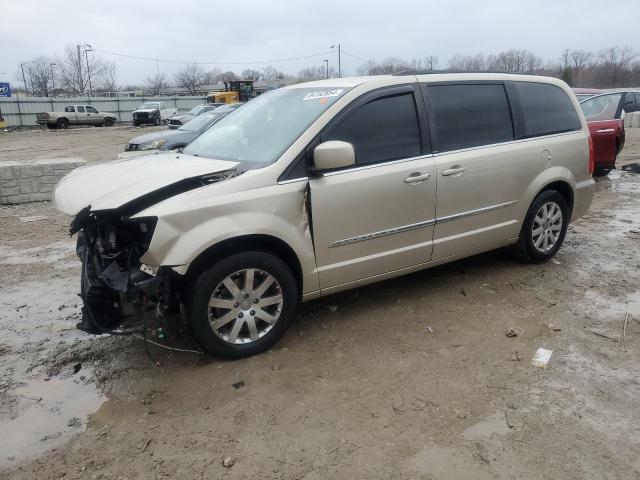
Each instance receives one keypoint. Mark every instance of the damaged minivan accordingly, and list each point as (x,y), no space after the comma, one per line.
(321,187)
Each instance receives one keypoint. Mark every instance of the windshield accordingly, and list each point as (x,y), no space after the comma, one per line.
(262,129)
(199,122)
(146,106)
(601,107)
(196,110)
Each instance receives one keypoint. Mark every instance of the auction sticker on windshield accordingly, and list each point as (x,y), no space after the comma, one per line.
(322,94)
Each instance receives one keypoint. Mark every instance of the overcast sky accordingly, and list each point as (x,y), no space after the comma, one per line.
(262,30)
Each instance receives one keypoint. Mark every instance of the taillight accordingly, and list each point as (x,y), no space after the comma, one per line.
(592,156)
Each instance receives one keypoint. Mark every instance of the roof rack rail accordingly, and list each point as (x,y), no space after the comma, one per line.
(434,72)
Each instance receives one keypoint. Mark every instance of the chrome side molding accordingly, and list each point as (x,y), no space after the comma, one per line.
(414,226)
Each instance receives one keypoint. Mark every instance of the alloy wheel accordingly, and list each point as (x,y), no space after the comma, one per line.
(547,226)
(245,306)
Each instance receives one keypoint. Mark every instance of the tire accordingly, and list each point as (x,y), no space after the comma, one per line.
(136,123)
(63,123)
(108,122)
(238,312)
(157,121)
(52,126)
(526,249)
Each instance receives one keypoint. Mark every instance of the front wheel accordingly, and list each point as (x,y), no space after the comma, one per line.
(544,228)
(156,121)
(242,305)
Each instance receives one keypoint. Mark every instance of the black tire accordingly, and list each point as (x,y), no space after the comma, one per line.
(526,250)
(63,123)
(200,291)
(108,122)
(136,123)
(157,121)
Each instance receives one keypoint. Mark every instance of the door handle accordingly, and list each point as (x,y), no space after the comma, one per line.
(457,170)
(606,130)
(417,177)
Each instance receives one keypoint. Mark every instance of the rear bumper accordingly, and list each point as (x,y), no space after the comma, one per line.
(584,193)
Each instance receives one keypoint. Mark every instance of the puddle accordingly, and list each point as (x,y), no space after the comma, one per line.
(494,424)
(46,410)
(444,464)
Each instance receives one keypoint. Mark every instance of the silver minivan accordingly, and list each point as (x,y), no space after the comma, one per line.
(321,187)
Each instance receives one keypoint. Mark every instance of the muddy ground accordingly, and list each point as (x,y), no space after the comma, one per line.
(413,378)
(89,143)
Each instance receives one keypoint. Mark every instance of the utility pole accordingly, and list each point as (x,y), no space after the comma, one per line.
(86,56)
(80,83)
(339,66)
(24,80)
(53,79)
(326,62)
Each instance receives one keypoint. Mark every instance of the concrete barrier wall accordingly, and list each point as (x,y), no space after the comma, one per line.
(33,180)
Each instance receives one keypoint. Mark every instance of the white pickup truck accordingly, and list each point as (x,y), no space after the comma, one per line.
(76,115)
(153,113)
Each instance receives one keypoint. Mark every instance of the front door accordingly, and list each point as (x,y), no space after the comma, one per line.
(377,216)
(602,113)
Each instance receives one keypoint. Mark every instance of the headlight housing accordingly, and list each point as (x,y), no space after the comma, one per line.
(156,145)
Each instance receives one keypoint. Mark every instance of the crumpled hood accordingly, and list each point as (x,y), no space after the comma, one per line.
(109,185)
(181,116)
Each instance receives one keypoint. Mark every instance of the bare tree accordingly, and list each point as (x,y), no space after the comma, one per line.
(213,76)
(315,73)
(467,63)
(250,74)
(615,62)
(514,61)
(190,78)
(79,69)
(107,82)
(156,83)
(228,76)
(366,68)
(431,62)
(39,76)
(270,73)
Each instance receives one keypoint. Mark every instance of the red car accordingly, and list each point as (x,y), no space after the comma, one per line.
(604,114)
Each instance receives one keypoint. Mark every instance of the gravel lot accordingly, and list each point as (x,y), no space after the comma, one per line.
(413,378)
(90,143)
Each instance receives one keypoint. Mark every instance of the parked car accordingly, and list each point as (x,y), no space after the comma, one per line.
(321,187)
(605,117)
(179,138)
(584,93)
(76,115)
(181,118)
(154,113)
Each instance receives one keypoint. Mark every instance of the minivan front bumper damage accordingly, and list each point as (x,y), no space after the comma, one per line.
(117,295)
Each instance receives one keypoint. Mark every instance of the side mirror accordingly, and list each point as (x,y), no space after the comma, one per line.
(333,154)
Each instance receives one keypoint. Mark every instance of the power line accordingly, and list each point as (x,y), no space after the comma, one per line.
(211,63)
(354,56)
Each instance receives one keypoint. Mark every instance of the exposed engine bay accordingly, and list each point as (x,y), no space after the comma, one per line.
(121,295)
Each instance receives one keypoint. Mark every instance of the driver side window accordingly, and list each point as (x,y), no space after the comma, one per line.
(382,130)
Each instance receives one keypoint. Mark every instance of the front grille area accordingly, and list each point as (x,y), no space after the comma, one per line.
(175,122)
(131,147)
(142,116)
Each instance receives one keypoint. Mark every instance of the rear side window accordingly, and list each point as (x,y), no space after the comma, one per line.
(469,115)
(382,130)
(546,109)
(80,109)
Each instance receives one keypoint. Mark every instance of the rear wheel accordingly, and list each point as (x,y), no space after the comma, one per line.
(544,228)
(108,122)
(63,123)
(242,305)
